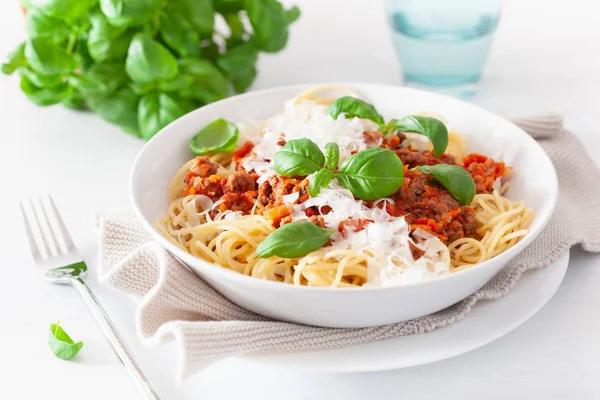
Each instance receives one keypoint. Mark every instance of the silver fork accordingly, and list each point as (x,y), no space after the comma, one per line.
(53,250)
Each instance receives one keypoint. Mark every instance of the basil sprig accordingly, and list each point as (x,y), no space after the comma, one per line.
(294,240)
(372,174)
(455,179)
(431,127)
(218,136)
(353,107)
(369,174)
(141,64)
(61,344)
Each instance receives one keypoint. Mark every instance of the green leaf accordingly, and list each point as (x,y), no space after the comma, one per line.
(47,57)
(210,50)
(41,80)
(157,110)
(239,65)
(180,82)
(130,12)
(372,174)
(111,74)
(269,22)
(228,6)
(61,344)
(120,108)
(82,54)
(243,80)
(148,60)
(62,9)
(143,88)
(38,24)
(75,102)
(208,83)
(45,96)
(180,35)
(236,27)
(332,155)
(353,107)
(16,59)
(200,13)
(299,157)
(320,180)
(87,84)
(294,240)
(455,179)
(218,136)
(292,14)
(433,128)
(107,42)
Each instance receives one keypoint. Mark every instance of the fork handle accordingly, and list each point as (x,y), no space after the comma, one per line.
(114,338)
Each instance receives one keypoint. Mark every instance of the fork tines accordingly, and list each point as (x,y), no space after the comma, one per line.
(47,234)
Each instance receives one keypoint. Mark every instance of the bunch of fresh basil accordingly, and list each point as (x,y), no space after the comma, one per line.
(141,64)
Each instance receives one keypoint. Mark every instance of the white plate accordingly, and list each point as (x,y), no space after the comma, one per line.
(488,321)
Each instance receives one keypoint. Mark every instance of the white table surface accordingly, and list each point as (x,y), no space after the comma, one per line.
(546,56)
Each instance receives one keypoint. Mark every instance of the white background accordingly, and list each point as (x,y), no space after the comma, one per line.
(546,56)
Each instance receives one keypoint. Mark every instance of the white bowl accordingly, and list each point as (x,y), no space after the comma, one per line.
(534,181)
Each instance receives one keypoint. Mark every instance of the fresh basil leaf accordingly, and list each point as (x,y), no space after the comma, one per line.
(45,96)
(148,60)
(320,180)
(332,155)
(372,174)
(130,12)
(294,240)
(48,58)
(239,58)
(299,157)
(16,59)
(41,80)
(353,107)
(63,9)
(120,108)
(75,102)
(143,88)
(218,136)
(243,80)
(111,74)
(208,83)
(107,42)
(180,82)
(86,84)
(39,24)
(228,6)
(82,55)
(455,179)
(61,344)
(157,110)
(292,14)
(200,13)
(236,27)
(269,23)
(210,50)
(433,128)
(180,35)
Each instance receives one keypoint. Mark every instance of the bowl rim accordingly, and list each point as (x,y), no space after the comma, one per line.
(187,259)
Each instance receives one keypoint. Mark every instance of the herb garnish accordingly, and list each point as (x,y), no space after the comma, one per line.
(61,344)
(455,179)
(294,240)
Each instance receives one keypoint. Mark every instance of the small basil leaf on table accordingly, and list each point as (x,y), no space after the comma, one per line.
(433,128)
(61,344)
(41,80)
(294,240)
(218,136)
(129,12)
(372,174)
(208,82)
(64,9)
(39,24)
(320,180)
(45,96)
(269,22)
(299,157)
(157,110)
(105,41)
(148,60)
(455,179)
(120,108)
(16,59)
(332,155)
(179,35)
(353,107)
(48,58)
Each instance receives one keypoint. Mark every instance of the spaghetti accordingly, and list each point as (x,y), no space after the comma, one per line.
(375,243)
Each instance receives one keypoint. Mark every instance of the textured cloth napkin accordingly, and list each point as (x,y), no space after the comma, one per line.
(177,304)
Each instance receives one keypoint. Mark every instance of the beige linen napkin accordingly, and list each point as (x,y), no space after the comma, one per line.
(176,304)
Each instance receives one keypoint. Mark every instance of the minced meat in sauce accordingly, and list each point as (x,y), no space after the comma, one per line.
(422,201)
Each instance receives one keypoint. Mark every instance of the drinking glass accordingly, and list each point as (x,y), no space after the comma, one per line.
(443,45)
